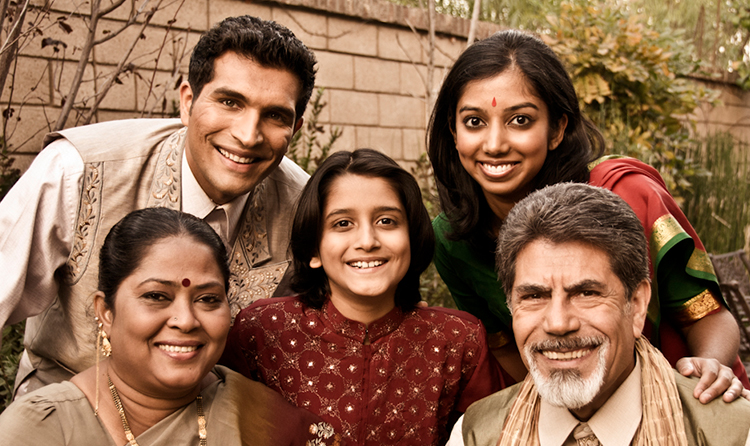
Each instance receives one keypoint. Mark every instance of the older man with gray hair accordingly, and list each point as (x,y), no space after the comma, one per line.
(574,263)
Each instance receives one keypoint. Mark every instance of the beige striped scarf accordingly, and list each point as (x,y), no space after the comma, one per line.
(661,425)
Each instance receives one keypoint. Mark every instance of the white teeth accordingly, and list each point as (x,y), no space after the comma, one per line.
(565,356)
(360,264)
(497,169)
(178,348)
(235,158)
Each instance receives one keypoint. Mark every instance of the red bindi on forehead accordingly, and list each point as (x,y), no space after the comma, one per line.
(494,102)
(186,282)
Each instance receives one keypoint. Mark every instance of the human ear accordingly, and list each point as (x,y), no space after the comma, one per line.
(298,125)
(102,311)
(186,102)
(315,262)
(559,132)
(639,306)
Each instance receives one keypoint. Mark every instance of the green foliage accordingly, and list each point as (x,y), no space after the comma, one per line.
(10,354)
(433,289)
(631,81)
(718,206)
(305,148)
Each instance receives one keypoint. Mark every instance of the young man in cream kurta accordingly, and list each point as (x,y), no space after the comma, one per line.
(248,85)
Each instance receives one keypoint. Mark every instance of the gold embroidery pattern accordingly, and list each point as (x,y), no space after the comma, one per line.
(602,159)
(165,190)
(664,229)
(246,285)
(88,219)
(698,307)
(699,261)
(323,431)
(253,235)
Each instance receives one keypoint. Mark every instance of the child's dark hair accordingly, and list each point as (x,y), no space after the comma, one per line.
(127,242)
(307,228)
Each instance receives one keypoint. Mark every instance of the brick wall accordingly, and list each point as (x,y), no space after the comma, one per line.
(371,64)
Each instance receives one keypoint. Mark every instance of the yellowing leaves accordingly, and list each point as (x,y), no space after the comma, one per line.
(592,87)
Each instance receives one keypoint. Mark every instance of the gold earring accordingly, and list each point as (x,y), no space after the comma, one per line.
(106,347)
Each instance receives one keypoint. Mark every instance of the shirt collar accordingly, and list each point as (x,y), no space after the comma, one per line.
(195,201)
(357,330)
(614,424)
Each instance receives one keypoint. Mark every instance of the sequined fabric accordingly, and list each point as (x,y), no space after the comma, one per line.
(401,388)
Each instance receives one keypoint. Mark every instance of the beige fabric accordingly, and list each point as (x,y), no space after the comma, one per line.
(715,423)
(237,411)
(127,165)
(614,424)
(661,423)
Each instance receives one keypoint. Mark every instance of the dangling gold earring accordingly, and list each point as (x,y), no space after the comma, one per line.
(103,346)
(106,346)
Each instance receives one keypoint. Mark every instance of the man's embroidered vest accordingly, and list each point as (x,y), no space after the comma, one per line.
(132,164)
(705,424)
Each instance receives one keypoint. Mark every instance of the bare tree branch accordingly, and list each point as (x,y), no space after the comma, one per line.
(430,94)
(133,18)
(474,22)
(120,68)
(88,45)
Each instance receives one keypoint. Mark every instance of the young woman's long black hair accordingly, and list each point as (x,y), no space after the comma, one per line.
(461,197)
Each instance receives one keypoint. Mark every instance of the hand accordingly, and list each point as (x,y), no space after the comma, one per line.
(422,304)
(715,379)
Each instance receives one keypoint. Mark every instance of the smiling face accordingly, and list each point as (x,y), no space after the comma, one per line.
(364,248)
(171,318)
(502,136)
(240,125)
(574,324)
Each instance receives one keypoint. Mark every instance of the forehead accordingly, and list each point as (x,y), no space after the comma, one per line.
(559,265)
(354,191)
(241,71)
(510,84)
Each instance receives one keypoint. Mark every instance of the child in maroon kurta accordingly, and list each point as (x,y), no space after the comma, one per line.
(353,346)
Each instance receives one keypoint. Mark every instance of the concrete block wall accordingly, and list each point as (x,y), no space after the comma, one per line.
(370,63)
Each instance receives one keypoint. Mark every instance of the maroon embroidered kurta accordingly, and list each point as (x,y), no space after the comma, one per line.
(418,371)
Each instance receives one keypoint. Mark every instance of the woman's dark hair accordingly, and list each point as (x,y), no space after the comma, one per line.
(307,228)
(461,197)
(129,240)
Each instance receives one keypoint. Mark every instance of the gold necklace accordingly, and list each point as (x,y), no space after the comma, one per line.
(129,434)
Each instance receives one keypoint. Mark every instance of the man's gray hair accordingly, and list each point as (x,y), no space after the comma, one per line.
(574,212)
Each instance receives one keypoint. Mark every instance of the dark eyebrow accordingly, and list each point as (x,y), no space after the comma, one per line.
(224,91)
(379,209)
(583,285)
(170,283)
(520,106)
(531,289)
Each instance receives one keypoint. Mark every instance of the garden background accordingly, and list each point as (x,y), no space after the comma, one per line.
(664,80)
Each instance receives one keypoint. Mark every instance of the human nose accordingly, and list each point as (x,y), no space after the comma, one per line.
(246,128)
(496,143)
(182,316)
(560,318)
(367,238)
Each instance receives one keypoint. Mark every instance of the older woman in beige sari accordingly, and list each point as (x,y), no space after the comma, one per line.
(162,318)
